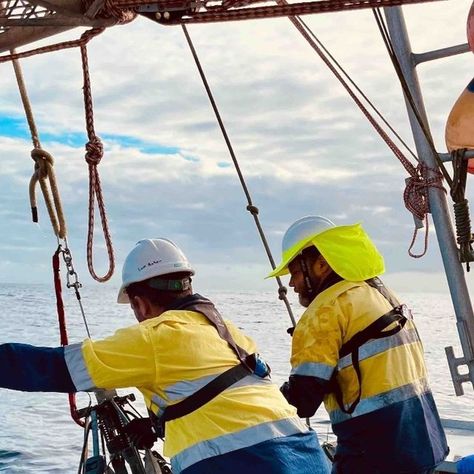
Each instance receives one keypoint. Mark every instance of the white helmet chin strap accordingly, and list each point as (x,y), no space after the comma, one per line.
(307,278)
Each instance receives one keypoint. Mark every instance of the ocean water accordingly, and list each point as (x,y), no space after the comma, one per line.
(37,434)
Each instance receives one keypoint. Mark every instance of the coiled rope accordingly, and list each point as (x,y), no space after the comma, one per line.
(461,207)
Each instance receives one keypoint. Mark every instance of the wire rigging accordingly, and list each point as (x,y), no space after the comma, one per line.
(356,87)
(457,184)
(282,290)
(421,177)
(406,90)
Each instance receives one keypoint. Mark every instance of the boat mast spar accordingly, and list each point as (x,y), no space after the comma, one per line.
(437,198)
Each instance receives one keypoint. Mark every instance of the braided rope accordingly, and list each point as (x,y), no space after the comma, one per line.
(461,207)
(417,202)
(94,153)
(84,39)
(390,143)
(421,178)
(180,12)
(282,291)
(111,10)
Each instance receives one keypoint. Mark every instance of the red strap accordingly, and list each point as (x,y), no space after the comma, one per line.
(62,328)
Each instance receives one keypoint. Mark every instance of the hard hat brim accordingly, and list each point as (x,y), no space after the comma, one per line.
(289,255)
(348,250)
(122,297)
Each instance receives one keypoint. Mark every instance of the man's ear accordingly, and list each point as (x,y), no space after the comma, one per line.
(141,306)
(321,267)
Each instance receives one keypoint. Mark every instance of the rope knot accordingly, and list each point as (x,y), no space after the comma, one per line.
(416,199)
(252,209)
(89,34)
(94,151)
(416,190)
(282,291)
(42,159)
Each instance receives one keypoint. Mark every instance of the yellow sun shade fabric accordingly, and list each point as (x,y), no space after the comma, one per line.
(348,249)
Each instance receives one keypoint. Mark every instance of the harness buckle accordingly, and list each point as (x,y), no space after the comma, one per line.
(257,365)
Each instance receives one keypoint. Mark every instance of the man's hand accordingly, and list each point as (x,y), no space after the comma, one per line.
(141,433)
(285,390)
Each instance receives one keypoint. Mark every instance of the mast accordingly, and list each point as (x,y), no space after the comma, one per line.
(437,199)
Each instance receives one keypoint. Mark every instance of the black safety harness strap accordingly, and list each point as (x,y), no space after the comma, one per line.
(375,330)
(205,394)
(221,382)
(206,308)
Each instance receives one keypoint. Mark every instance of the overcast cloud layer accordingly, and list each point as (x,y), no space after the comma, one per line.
(303,146)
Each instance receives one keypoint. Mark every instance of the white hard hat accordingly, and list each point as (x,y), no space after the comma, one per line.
(299,236)
(151,258)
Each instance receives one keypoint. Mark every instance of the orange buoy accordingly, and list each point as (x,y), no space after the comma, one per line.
(470,27)
(459,132)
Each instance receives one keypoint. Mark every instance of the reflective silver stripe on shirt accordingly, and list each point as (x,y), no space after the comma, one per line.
(185,388)
(77,368)
(181,390)
(376,346)
(313,369)
(368,405)
(233,441)
(160,402)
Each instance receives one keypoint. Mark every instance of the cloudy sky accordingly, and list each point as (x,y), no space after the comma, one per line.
(303,146)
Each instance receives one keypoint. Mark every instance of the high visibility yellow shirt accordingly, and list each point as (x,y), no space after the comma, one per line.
(395,425)
(387,364)
(172,356)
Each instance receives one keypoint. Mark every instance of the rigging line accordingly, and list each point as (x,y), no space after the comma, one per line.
(401,157)
(84,450)
(359,90)
(396,64)
(85,37)
(93,156)
(43,170)
(62,327)
(282,290)
(76,284)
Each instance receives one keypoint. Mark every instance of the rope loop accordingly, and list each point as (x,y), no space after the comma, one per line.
(416,199)
(94,151)
(44,174)
(93,156)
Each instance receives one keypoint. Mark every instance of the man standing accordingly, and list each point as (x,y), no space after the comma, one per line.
(357,348)
(201,378)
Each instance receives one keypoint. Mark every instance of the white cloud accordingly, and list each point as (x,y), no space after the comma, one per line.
(302,145)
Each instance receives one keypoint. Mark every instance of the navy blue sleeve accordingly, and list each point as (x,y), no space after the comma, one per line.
(305,393)
(34,369)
